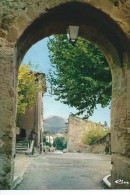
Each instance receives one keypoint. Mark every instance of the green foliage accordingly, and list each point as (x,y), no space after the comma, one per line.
(47,144)
(60,143)
(27,88)
(94,135)
(80,75)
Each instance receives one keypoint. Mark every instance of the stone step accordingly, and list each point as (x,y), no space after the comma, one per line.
(20,151)
(19,145)
(22,148)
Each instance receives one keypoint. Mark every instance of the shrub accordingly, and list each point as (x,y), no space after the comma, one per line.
(94,135)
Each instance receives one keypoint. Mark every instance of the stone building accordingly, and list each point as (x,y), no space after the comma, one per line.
(31,123)
(104,22)
(76,129)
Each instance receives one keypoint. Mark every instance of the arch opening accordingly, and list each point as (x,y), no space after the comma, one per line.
(106,26)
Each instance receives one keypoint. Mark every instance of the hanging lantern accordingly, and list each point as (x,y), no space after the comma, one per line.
(72,33)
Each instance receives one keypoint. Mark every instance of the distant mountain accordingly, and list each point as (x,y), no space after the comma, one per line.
(55,124)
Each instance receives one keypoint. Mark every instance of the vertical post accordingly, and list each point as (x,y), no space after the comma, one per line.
(120,138)
(7,117)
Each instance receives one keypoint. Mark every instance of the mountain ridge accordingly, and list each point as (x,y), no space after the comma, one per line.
(55,124)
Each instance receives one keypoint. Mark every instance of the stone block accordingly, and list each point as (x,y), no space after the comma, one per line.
(120,171)
(31,12)
(12,34)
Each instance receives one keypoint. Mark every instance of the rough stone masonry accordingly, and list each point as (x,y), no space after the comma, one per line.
(77,128)
(104,22)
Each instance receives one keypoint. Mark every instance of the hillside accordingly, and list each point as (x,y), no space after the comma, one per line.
(55,124)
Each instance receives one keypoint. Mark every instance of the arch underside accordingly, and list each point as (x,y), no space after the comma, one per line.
(94,26)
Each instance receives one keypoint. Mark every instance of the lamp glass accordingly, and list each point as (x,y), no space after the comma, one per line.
(72,33)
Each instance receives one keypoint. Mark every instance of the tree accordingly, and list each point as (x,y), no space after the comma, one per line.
(60,143)
(28,88)
(80,75)
(92,136)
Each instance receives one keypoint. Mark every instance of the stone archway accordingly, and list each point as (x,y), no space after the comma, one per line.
(105,22)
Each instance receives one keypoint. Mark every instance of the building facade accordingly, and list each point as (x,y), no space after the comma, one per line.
(30,124)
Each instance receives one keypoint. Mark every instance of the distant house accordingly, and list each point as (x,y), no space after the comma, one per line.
(30,124)
(50,139)
(59,135)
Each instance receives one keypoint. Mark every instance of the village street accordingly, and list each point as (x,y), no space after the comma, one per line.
(66,171)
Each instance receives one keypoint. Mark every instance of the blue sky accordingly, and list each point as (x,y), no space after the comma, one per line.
(38,55)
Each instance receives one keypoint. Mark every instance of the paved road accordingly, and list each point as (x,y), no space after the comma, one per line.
(65,171)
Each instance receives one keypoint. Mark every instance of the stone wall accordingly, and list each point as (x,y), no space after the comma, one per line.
(27,121)
(103,145)
(7,118)
(76,129)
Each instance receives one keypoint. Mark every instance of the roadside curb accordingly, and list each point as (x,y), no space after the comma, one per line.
(106,181)
(18,179)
